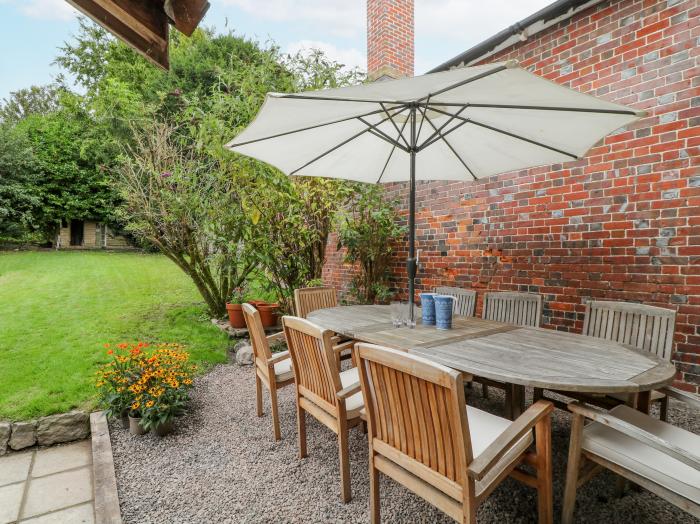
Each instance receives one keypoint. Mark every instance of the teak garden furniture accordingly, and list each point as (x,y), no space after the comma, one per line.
(322,390)
(422,435)
(646,328)
(465,299)
(517,355)
(309,299)
(651,453)
(274,371)
(521,309)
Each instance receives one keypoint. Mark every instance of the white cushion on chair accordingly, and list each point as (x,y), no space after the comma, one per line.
(484,428)
(641,458)
(283,369)
(355,403)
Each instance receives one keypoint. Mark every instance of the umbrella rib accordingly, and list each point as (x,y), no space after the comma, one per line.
(427,144)
(337,146)
(395,126)
(438,131)
(306,128)
(465,81)
(386,164)
(422,118)
(453,150)
(541,108)
(508,133)
(332,99)
(381,134)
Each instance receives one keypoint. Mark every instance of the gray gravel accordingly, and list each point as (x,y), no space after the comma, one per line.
(221,465)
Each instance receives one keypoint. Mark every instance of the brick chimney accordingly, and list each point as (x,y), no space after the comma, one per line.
(389,39)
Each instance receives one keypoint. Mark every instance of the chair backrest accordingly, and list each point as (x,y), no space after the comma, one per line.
(261,347)
(648,328)
(416,416)
(315,369)
(464,302)
(522,309)
(310,299)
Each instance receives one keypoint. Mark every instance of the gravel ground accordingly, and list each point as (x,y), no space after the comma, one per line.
(221,465)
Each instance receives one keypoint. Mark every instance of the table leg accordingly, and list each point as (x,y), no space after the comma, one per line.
(643,401)
(515,401)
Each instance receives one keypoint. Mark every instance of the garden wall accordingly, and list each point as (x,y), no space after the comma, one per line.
(621,224)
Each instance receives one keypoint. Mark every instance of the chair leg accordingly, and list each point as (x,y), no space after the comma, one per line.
(543,444)
(258,394)
(572,470)
(663,415)
(275,412)
(538,394)
(345,491)
(301,430)
(373,491)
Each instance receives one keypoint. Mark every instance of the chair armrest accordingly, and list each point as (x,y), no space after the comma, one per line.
(276,337)
(349,391)
(342,347)
(278,357)
(637,433)
(482,464)
(684,396)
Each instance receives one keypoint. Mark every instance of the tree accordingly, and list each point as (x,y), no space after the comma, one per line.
(184,202)
(368,230)
(34,100)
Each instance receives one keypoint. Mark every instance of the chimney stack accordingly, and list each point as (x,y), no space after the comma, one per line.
(389,39)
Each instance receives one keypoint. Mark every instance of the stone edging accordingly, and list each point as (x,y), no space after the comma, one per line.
(103,477)
(46,431)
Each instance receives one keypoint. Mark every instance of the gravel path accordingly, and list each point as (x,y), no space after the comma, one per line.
(222,465)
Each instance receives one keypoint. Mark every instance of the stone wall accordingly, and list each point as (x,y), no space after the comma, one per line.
(46,431)
(621,224)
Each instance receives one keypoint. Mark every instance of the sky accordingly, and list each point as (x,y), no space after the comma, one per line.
(32,30)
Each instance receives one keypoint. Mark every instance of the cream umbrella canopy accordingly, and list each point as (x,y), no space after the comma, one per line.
(464,124)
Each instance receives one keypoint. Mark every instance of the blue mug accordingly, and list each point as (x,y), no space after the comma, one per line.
(427,303)
(443,311)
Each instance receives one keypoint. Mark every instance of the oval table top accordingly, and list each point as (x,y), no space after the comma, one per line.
(525,356)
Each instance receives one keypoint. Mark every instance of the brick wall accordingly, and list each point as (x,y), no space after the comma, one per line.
(389,38)
(621,224)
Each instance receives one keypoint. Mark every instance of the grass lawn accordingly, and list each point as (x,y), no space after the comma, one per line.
(58,309)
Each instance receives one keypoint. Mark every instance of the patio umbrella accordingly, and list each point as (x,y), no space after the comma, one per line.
(464,124)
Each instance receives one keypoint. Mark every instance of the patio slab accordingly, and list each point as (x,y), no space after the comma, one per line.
(47,486)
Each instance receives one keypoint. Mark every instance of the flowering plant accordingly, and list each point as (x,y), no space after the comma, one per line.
(238,294)
(151,382)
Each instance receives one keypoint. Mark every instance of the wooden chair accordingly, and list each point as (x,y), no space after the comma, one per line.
(522,309)
(309,299)
(651,453)
(422,435)
(332,397)
(465,299)
(275,371)
(647,328)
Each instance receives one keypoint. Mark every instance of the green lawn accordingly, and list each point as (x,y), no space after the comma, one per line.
(58,309)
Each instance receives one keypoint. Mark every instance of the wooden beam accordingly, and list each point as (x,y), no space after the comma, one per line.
(142,25)
(185,15)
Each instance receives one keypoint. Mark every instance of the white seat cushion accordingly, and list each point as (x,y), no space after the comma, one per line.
(641,458)
(484,428)
(355,403)
(283,368)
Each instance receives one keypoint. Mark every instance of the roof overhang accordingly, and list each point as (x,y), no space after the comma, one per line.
(144,24)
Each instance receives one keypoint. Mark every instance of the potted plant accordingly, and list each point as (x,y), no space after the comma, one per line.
(167,391)
(234,308)
(268,314)
(136,426)
(113,381)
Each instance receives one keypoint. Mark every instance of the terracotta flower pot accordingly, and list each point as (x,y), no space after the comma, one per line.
(268,314)
(235,315)
(135,427)
(257,303)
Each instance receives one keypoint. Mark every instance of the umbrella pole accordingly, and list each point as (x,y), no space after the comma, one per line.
(411,262)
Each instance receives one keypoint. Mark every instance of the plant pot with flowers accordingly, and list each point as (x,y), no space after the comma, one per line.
(113,381)
(268,314)
(136,426)
(234,308)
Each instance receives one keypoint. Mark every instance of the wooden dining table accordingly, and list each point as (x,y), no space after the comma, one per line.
(515,355)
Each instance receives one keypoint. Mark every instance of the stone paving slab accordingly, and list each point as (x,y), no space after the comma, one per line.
(48,486)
